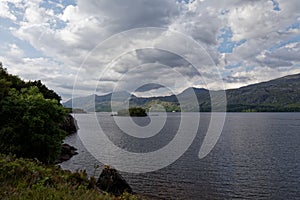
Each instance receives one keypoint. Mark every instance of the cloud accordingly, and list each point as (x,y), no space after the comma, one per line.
(289,53)
(233,79)
(6,12)
(253,20)
(68,37)
(149,86)
(199,22)
(120,15)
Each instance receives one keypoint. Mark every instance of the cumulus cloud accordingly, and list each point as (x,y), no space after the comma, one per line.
(69,37)
(6,12)
(235,79)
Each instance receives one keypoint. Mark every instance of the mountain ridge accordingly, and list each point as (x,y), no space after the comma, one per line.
(281,94)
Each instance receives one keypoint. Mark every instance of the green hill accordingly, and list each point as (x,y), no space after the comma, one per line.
(278,95)
(282,94)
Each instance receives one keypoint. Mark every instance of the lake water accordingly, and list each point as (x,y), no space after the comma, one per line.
(256,157)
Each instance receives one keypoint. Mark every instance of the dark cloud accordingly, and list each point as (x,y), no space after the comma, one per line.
(274,62)
(169,59)
(68,37)
(126,14)
(148,87)
(160,56)
(232,79)
(286,54)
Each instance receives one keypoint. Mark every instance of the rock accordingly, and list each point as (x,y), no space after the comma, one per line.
(112,182)
(69,125)
(67,152)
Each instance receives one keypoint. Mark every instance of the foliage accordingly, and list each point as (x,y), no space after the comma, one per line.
(167,106)
(18,84)
(27,179)
(29,122)
(11,81)
(47,93)
(136,112)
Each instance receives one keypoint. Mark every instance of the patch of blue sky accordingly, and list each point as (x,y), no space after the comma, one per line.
(249,68)
(276,5)
(7,23)
(225,73)
(7,38)
(57,24)
(233,66)
(30,51)
(186,1)
(226,44)
(295,25)
(57,6)
(17,11)
(281,44)
(5,33)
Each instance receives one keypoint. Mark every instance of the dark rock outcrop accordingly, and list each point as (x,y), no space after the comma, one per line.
(112,182)
(67,151)
(69,125)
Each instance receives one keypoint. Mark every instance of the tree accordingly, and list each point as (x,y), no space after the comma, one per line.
(30,119)
(47,93)
(15,81)
(134,112)
(18,84)
(30,125)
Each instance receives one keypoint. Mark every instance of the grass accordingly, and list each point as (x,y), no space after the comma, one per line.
(28,179)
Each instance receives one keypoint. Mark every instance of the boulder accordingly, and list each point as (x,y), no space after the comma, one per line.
(111,181)
(69,125)
(67,152)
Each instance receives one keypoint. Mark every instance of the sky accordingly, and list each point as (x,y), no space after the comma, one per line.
(149,47)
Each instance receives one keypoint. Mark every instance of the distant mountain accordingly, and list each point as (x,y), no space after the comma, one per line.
(85,103)
(98,103)
(282,94)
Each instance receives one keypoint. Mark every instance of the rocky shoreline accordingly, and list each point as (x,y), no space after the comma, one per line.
(67,152)
(110,180)
(70,126)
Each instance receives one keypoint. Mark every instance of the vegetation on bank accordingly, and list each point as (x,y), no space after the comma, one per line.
(30,119)
(163,106)
(28,179)
(33,124)
(133,112)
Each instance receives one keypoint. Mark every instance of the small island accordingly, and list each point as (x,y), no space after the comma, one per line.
(133,112)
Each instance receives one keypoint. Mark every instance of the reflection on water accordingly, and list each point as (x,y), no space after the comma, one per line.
(256,157)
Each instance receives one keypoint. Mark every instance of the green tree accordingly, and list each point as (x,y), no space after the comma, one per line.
(17,83)
(4,88)
(30,119)
(30,125)
(134,112)
(13,80)
(47,93)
